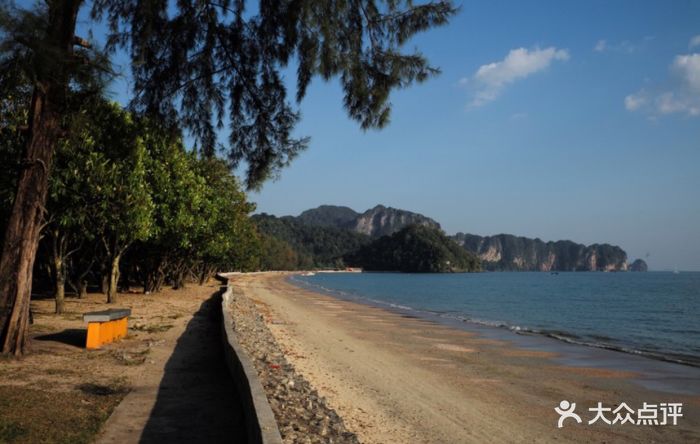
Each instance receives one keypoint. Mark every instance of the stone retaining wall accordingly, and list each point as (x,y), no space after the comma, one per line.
(260,421)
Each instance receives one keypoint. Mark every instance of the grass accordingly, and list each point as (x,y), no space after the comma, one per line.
(131,357)
(153,328)
(28,415)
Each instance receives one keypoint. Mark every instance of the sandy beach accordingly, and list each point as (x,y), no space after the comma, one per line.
(397,379)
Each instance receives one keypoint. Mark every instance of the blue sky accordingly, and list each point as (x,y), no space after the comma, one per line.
(553,119)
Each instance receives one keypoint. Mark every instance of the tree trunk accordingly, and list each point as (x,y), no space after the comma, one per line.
(58,269)
(113,280)
(82,289)
(104,283)
(179,282)
(207,273)
(60,284)
(83,282)
(159,282)
(24,225)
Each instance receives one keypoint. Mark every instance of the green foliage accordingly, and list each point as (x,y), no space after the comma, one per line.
(200,219)
(100,178)
(415,249)
(227,237)
(29,55)
(276,254)
(315,246)
(13,118)
(329,216)
(195,62)
(123,184)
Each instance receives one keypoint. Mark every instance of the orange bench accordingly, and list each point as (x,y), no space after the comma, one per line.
(106,326)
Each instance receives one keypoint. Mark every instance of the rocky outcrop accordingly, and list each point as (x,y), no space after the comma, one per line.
(383,221)
(514,253)
(639,265)
(501,252)
(376,222)
(329,216)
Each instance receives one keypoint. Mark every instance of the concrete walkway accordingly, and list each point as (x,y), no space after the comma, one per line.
(185,393)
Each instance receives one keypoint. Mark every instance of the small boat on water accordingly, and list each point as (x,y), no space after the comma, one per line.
(308,273)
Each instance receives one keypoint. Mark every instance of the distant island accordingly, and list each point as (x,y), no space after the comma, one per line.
(638,265)
(336,237)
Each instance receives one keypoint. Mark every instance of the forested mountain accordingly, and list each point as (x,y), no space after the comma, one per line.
(329,216)
(308,234)
(513,253)
(414,249)
(383,221)
(375,222)
(312,245)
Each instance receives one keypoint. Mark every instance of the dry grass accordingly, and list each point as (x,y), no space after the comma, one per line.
(62,393)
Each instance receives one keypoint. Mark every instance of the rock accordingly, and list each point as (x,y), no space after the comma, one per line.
(301,415)
(638,265)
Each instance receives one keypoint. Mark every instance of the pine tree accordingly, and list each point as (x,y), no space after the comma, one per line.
(198,64)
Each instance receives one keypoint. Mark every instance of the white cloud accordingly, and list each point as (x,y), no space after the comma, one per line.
(625,46)
(490,80)
(695,41)
(635,101)
(671,102)
(688,67)
(682,98)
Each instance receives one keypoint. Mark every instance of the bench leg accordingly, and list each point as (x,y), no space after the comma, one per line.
(125,327)
(119,329)
(94,339)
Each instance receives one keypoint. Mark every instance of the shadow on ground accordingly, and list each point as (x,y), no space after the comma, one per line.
(197,400)
(72,336)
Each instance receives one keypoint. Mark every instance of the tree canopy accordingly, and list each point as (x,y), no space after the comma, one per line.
(415,249)
(195,63)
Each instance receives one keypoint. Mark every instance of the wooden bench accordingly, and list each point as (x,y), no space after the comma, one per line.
(106,326)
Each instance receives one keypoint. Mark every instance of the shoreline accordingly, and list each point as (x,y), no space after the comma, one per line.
(656,372)
(398,378)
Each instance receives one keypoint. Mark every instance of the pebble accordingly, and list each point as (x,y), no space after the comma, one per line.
(302,416)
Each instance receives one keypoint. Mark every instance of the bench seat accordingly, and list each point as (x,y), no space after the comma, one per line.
(106,326)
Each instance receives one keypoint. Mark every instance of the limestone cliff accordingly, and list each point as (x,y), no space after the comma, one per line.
(375,222)
(508,252)
(501,252)
(383,221)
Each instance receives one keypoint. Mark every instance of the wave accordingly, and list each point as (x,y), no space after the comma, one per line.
(592,340)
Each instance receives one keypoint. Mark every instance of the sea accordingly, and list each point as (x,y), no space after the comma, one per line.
(652,314)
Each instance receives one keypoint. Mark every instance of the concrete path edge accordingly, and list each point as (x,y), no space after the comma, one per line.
(260,421)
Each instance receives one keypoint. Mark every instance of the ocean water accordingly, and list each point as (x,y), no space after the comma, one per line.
(656,314)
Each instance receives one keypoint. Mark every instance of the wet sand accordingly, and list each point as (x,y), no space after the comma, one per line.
(398,379)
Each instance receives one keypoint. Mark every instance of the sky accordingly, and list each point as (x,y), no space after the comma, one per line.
(557,119)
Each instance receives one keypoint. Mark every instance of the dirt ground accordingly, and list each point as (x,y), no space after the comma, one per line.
(61,392)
